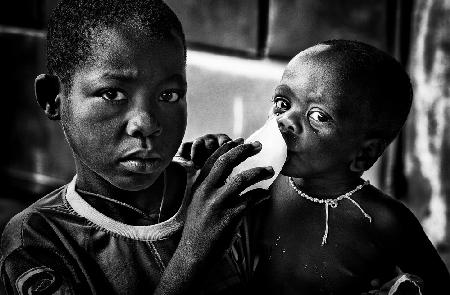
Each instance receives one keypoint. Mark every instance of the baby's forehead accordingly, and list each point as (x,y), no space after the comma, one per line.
(327,69)
(322,83)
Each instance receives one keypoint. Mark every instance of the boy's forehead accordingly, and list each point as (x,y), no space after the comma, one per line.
(117,49)
(132,41)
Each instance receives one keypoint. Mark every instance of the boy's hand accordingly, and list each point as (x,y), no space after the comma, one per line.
(217,206)
(199,150)
(214,214)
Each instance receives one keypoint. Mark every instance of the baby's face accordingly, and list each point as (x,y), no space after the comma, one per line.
(125,114)
(320,121)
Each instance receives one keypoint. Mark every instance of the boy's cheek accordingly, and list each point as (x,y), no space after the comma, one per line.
(97,109)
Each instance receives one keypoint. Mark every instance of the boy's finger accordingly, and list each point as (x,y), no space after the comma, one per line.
(247,200)
(226,162)
(205,146)
(238,183)
(222,139)
(223,149)
(184,151)
(198,149)
(211,144)
(254,197)
(209,164)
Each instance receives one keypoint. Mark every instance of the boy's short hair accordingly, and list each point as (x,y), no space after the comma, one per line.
(73,23)
(385,82)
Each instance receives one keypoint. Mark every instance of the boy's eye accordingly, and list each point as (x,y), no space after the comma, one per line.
(112,95)
(319,116)
(170,96)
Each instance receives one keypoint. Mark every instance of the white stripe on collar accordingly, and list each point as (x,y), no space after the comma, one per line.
(137,232)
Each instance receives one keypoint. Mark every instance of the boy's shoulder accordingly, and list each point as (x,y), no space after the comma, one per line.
(34,217)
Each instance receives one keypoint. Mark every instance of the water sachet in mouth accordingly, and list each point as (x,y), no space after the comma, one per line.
(273,153)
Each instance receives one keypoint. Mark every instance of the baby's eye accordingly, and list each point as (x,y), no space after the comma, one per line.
(171,95)
(319,116)
(281,103)
(112,95)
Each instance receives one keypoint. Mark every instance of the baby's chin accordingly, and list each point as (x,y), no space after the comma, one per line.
(288,174)
(292,170)
(289,169)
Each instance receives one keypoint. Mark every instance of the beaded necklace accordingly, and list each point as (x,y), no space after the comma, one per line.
(333,203)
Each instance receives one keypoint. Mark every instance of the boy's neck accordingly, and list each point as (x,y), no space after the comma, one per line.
(327,188)
(147,200)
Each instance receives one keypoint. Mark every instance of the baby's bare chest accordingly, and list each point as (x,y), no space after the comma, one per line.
(294,258)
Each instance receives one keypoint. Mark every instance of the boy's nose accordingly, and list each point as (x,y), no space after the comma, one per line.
(144,125)
(286,123)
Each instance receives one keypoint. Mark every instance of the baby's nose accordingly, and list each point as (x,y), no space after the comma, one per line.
(287,124)
(144,125)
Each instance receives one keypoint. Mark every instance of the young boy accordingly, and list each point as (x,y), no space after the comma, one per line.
(325,230)
(117,83)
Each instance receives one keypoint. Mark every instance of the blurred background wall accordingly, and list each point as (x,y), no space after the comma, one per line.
(237,52)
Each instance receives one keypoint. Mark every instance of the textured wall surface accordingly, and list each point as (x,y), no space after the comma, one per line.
(227,24)
(428,129)
(295,25)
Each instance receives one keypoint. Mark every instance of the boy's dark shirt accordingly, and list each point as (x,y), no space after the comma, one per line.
(50,247)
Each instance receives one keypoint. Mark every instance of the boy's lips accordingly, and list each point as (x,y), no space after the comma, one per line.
(141,161)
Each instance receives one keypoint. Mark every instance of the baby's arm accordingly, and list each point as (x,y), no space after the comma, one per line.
(414,253)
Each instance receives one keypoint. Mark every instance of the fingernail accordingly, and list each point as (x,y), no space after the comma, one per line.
(256,144)
(269,169)
(209,143)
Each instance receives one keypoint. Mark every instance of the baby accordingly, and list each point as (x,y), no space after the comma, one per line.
(325,230)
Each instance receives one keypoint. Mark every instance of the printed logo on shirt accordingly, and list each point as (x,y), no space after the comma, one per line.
(38,280)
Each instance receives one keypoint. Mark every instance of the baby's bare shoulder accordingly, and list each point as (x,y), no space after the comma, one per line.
(389,215)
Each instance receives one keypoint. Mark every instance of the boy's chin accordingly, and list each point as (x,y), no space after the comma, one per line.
(134,188)
(134,184)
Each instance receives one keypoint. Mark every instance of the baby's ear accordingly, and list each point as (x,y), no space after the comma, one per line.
(370,151)
(47,91)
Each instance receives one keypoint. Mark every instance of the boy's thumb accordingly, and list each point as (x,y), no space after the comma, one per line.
(256,197)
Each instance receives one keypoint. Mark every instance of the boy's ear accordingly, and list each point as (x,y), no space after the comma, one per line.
(369,153)
(47,90)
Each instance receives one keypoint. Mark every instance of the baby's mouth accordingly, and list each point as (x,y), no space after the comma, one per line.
(289,138)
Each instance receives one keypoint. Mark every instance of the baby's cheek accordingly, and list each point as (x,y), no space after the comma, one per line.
(324,148)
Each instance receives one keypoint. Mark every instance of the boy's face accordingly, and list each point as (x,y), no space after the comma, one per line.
(320,118)
(125,114)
